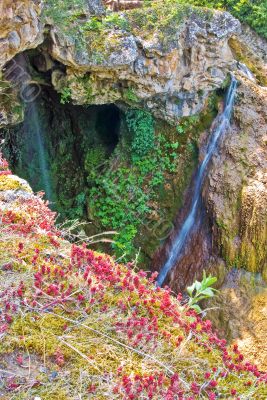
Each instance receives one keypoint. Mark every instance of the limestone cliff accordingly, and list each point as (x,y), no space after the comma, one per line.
(21,28)
(236,189)
(169,70)
(168,66)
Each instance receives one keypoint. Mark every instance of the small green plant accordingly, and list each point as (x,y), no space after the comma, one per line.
(65,95)
(123,245)
(180,129)
(141,125)
(200,291)
(94,24)
(130,96)
(116,20)
(95,157)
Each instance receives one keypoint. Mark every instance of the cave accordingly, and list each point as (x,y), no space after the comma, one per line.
(57,144)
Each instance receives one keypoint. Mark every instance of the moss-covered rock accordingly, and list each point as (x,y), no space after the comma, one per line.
(236,188)
(160,57)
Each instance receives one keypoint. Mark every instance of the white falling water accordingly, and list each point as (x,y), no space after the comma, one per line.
(246,71)
(39,145)
(221,126)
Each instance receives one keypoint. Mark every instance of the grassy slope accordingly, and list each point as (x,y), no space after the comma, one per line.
(75,324)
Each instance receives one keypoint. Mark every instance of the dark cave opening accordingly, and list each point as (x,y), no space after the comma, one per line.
(108,122)
(58,145)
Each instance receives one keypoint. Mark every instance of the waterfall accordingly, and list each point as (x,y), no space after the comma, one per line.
(40,149)
(246,71)
(222,124)
(19,74)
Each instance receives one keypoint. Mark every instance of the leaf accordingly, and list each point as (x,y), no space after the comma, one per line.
(208,292)
(211,280)
(196,308)
(190,289)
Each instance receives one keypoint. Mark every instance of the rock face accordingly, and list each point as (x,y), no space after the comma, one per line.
(20,27)
(234,227)
(240,313)
(169,70)
(236,189)
(171,76)
(251,49)
(96,7)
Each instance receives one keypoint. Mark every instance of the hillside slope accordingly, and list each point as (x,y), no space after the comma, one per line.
(76,324)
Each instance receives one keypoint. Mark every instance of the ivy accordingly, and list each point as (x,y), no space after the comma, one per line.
(141,125)
(65,95)
(120,198)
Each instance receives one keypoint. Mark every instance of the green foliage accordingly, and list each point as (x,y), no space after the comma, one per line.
(94,24)
(201,290)
(180,129)
(110,21)
(123,244)
(130,96)
(94,158)
(163,17)
(140,123)
(253,12)
(60,11)
(78,208)
(66,15)
(118,199)
(116,20)
(65,95)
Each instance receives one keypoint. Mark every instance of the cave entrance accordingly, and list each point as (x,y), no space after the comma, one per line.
(60,149)
(108,121)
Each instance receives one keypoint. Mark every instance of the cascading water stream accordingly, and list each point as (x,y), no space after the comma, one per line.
(39,138)
(246,71)
(20,77)
(222,124)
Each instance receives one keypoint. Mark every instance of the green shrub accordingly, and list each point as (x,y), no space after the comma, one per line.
(65,95)
(123,244)
(130,96)
(201,290)
(116,20)
(95,157)
(141,125)
(120,199)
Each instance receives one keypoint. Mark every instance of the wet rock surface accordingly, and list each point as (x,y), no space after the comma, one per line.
(236,193)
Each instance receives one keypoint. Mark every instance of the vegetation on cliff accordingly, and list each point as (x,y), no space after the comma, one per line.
(253,13)
(162,13)
(76,323)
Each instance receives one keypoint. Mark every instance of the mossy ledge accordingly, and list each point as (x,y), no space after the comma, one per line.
(80,323)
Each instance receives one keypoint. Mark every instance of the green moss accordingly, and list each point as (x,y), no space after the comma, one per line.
(130,97)
(243,54)
(163,18)
(11,106)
